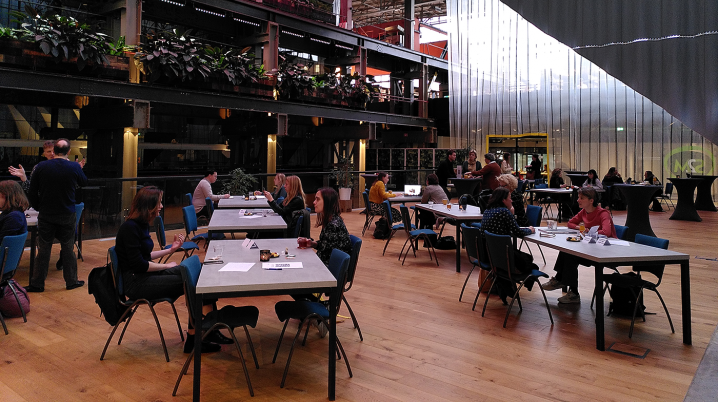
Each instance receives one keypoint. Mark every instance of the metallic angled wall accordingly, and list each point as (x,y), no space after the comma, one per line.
(508,77)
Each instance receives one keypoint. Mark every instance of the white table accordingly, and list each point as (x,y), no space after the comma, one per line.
(634,254)
(314,277)
(471,213)
(238,201)
(401,198)
(229,220)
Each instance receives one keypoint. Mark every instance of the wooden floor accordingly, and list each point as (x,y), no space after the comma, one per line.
(420,342)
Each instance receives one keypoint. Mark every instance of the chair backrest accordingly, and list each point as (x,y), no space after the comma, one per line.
(188,197)
(657,242)
(209,204)
(279,200)
(405,217)
(338,266)
(533,215)
(190,219)
(353,261)
(190,269)
(365,196)
(669,189)
(116,274)
(78,213)
(621,231)
(298,226)
(160,232)
(387,210)
(11,250)
(541,185)
(523,184)
(501,255)
(470,234)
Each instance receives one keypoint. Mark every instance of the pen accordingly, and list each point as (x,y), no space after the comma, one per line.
(273,269)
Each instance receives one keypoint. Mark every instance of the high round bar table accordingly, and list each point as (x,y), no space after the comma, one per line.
(465,186)
(704,199)
(685,206)
(637,197)
(577,179)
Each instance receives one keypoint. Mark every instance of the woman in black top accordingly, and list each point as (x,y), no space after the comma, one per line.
(334,234)
(142,277)
(556,181)
(293,202)
(13,204)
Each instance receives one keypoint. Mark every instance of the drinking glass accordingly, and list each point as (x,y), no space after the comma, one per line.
(444,201)
(582,228)
(217,250)
(302,242)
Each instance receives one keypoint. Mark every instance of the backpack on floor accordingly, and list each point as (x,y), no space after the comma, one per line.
(8,303)
(101,285)
(382,230)
(623,300)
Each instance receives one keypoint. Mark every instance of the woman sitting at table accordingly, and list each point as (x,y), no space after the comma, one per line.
(556,180)
(592,180)
(499,219)
(13,204)
(377,195)
(506,164)
(434,193)
(611,178)
(294,201)
(566,264)
(279,190)
(509,182)
(470,164)
(334,234)
(145,279)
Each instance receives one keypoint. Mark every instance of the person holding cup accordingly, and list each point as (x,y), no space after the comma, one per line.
(566,267)
(294,200)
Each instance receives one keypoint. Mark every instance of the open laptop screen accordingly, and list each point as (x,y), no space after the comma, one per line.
(412,189)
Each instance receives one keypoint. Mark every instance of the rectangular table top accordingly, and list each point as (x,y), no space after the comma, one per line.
(238,201)
(613,254)
(230,220)
(314,273)
(400,198)
(471,212)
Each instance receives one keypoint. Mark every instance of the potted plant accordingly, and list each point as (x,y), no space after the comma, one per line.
(239,183)
(293,80)
(344,178)
(173,55)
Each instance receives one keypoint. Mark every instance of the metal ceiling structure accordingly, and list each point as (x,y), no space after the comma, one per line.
(371,12)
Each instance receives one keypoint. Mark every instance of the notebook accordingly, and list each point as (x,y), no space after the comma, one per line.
(412,189)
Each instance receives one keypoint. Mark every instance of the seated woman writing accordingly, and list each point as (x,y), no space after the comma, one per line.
(566,266)
(142,277)
(377,195)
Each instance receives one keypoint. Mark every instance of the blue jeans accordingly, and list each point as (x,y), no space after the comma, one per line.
(49,228)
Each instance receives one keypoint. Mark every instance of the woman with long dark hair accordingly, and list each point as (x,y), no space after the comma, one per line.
(592,180)
(142,277)
(334,234)
(294,201)
(13,204)
(556,180)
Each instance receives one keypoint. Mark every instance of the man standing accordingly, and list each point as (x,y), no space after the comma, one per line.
(48,151)
(489,172)
(446,170)
(52,193)
(204,190)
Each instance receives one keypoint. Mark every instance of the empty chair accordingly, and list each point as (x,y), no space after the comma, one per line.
(639,283)
(471,236)
(354,259)
(620,233)
(308,311)
(665,198)
(133,305)
(394,228)
(187,247)
(78,215)
(369,214)
(501,255)
(11,250)
(414,235)
(190,225)
(533,216)
(188,198)
(228,317)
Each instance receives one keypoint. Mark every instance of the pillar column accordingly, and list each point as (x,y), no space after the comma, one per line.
(271,160)
(129,165)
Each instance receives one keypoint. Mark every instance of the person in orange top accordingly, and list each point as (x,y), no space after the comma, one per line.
(489,172)
(566,266)
(377,195)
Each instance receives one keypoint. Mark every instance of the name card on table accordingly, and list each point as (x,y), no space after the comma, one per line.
(588,240)
(281,265)
(249,243)
(603,241)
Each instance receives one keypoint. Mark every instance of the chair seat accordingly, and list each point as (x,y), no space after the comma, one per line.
(539,274)
(299,310)
(203,236)
(418,232)
(400,226)
(233,316)
(188,245)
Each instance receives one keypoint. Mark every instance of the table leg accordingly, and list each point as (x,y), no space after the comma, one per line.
(332,349)
(33,247)
(598,289)
(458,246)
(197,346)
(686,302)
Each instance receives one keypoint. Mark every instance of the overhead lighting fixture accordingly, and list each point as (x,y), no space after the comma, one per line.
(292,33)
(326,42)
(343,47)
(174,3)
(216,14)
(246,22)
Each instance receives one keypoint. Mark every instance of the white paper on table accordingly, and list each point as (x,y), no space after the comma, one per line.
(237,267)
(255,216)
(616,242)
(261,197)
(231,197)
(282,265)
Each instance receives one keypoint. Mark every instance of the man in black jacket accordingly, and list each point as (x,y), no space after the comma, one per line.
(446,170)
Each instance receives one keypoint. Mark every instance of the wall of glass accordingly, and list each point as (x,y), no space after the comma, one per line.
(508,77)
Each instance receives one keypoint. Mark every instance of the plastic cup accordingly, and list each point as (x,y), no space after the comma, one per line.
(302,242)
(551,224)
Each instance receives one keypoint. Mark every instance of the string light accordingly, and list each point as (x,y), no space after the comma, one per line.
(246,22)
(647,40)
(174,3)
(216,14)
(321,41)
(343,47)
(292,33)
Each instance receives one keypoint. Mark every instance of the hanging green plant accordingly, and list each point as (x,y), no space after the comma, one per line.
(293,79)
(173,55)
(234,65)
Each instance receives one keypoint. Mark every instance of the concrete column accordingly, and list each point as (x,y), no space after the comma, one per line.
(424,91)
(271,160)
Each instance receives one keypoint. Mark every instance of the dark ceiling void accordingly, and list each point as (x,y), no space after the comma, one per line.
(676,67)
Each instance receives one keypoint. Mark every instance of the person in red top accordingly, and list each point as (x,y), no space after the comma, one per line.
(567,265)
(489,172)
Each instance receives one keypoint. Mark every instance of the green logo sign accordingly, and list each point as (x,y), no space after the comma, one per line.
(689,159)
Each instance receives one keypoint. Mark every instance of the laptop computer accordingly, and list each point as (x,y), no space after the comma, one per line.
(412,189)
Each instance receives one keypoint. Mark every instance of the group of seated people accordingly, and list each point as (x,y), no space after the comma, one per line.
(145,278)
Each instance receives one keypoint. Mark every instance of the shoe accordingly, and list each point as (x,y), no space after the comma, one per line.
(570,298)
(218,337)
(34,289)
(207,347)
(553,284)
(75,285)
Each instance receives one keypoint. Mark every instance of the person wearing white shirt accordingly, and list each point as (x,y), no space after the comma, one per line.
(506,164)
(204,190)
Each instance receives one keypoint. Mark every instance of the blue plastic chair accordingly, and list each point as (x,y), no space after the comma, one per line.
(188,198)
(11,250)
(389,217)
(228,317)
(308,311)
(78,215)
(533,216)
(354,259)
(133,305)
(475,251)
(190,225)
(621,231)
(187,247)
(414,235)
(369,214)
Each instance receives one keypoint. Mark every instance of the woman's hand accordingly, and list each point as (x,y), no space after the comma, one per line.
(170,265)
(533,229)
(225,196)
(18,172)
(177,243)
(269,196)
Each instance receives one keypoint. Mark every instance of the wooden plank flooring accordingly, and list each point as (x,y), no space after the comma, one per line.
(420,342)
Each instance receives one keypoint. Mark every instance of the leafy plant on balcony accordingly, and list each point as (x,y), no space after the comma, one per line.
(64,37)
(234,65)
(355,88)
(239,183)
(119,48)
(9,33)
(342,173)
(173,55)
(293,79)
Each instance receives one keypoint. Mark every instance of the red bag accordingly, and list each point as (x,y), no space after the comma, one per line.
(8,303)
